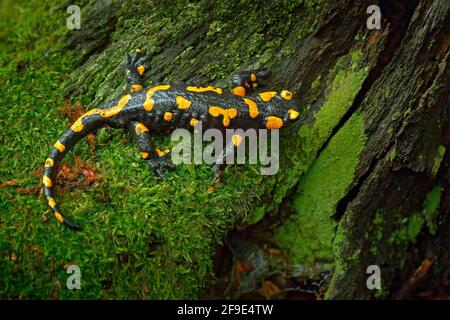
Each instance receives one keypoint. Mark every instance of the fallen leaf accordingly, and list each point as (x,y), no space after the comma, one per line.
(243,266)
(269,289)
(9,183)
(72,111)
(90,175)
(67,265)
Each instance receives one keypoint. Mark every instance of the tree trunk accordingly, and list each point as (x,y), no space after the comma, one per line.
(364,182)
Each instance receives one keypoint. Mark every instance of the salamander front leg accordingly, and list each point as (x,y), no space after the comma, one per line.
(158,160)
(247,81)
(135,70)
(227,152)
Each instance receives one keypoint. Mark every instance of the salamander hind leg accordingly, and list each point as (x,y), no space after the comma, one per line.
(135,70)
(161,163)
(157,159)
(224,157)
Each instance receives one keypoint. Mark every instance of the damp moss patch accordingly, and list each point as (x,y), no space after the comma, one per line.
(308,235)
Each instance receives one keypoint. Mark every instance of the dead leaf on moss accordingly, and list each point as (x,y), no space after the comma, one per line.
(79,176)
(270,289)
(72,111)
(243,266)
(9,184)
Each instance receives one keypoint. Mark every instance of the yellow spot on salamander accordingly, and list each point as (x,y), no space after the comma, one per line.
(274,122)
(104,113)
(59,217)
(293,114)
(239,91)
(193,122)
(159,152)
(110,112)
(253,77)
(183,103)
(252,108)
(215,111)
(140,129)
(136,87)
(149,103)
(77,126)
(204,89)
(267,96)
(168,116)
(140,70)
(47,181)
(226,113)
(49,163)
(254,84)
(60,146)
(285,94)
(167,151)
(144,155)
(237,140)
(51,202)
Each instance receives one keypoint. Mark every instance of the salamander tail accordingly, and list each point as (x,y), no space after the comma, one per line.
(62,146)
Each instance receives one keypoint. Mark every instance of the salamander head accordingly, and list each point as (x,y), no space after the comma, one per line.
(281,111)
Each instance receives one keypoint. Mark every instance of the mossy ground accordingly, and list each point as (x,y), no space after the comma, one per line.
(141,239)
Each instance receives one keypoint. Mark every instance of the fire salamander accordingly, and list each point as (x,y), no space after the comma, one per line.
(160,109)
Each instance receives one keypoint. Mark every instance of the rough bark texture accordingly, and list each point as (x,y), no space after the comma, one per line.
(398,199)
(364,182)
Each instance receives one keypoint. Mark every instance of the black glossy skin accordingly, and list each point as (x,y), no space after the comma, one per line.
(134,116)
(200,102)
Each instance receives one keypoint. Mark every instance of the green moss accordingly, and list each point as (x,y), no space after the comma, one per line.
(381,237)
(392,153)
(309,233)
(410,231)
(431,208)
(409,228)
(380,293)
(376,231)
(343,259)
(316,83)
(386,230)
(345,86)
(438,159)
